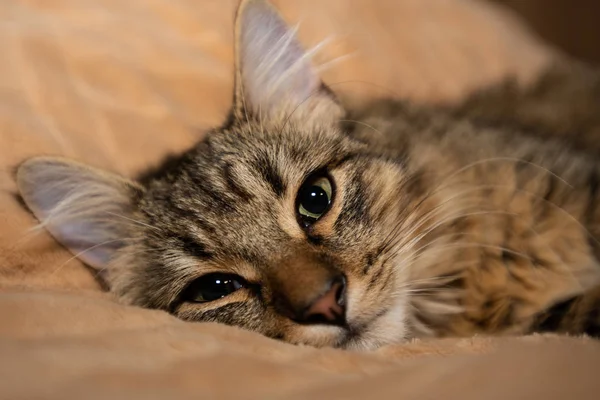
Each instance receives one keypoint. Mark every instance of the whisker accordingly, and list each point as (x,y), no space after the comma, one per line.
(407,263)
(387,90)
(432,214)
(442,184)
(79,254)
(98,271)
(328,64)
(133,220)
(513,159)
(424,280)
(419,237)
(363,124)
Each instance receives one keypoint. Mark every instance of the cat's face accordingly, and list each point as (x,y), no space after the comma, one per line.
(279,229)
(278,222)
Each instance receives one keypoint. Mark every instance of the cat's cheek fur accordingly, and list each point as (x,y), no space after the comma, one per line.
(390,328)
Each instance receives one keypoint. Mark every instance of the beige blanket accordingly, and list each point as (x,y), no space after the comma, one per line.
(118,84)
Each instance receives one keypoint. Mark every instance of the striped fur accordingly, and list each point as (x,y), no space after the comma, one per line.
(578,315)
(479,219)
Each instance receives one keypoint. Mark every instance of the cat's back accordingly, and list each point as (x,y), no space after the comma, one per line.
(561,106)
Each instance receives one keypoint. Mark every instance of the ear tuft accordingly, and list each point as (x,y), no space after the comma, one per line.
(80,206)
(274,75)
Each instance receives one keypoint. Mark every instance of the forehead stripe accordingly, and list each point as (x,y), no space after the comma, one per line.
(270,175)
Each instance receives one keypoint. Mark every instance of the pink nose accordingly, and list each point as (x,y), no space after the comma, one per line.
(329,306)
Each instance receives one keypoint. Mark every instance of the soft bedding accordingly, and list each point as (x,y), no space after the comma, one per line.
(120,84)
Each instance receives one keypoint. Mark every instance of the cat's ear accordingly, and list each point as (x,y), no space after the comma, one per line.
(82,207)
(274,75)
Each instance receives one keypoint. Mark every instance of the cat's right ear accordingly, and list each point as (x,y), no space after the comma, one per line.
(274,76)
(85,209)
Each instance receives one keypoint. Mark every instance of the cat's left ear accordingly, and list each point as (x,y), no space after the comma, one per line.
(274,75)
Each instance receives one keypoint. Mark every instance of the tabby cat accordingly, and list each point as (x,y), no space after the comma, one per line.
(314,224)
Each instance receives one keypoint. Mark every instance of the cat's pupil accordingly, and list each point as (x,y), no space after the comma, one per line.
(212,287)
(315,200)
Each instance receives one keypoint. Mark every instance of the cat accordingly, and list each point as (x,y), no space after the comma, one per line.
(317,225)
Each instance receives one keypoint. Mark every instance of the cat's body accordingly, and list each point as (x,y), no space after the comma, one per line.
(516,221)
(312,224)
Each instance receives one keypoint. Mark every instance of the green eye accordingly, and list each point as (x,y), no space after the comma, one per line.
(314,198)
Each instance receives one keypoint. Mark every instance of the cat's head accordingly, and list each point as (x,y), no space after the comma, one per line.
(277,222)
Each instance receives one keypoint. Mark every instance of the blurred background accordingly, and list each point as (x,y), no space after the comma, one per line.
(572,25)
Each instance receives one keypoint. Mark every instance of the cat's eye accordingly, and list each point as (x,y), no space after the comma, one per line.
(212,287)
(314,198)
